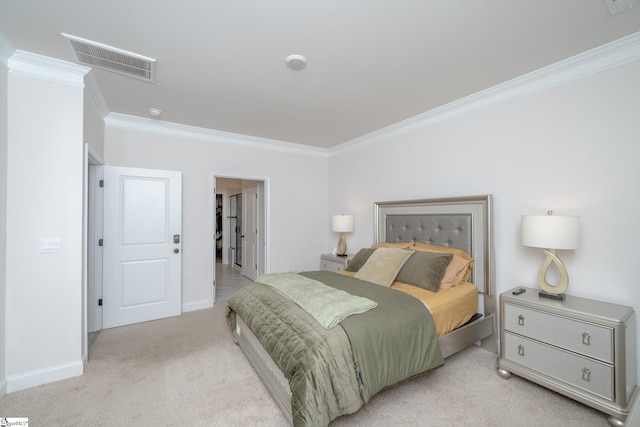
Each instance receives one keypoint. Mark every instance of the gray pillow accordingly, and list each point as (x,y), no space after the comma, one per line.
(359,259)
(425,269)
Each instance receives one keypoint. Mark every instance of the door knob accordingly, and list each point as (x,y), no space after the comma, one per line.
(176,250)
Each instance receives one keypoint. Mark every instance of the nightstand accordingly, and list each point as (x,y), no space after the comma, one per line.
(333,262)
(581,348)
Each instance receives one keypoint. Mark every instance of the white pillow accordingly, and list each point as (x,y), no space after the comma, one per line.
(383,265)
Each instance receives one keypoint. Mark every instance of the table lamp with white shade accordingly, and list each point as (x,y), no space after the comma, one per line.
(551,232)
(342,224)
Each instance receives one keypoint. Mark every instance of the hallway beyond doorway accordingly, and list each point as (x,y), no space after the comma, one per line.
(228,281)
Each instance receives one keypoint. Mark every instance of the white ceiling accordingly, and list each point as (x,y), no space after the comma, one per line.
(372,63)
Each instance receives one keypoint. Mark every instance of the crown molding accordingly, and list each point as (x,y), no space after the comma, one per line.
(142,124)
(610,55)
(42,67)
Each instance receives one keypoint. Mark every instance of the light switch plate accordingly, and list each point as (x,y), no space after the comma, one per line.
(49,246)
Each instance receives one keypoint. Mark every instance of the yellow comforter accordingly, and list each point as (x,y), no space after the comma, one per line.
(451,308)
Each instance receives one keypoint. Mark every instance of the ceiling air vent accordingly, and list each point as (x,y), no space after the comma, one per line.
(112,59)
(617,6)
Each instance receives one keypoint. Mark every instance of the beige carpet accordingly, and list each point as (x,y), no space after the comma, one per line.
(186,371)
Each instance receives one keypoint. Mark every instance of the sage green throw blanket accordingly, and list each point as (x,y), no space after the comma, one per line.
(329,306)
(335,371)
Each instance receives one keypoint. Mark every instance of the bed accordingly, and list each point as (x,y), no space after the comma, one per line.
(318,366)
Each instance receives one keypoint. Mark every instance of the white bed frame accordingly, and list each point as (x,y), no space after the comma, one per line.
(461,222)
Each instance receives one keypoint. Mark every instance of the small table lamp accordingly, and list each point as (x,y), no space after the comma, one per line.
(342,224)
(551,232)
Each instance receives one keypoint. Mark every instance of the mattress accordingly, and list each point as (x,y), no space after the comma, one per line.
(451,308)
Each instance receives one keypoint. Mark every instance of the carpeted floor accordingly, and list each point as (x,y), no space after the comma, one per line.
(187,371)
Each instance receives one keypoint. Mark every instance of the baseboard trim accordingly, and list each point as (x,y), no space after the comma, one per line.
(196,305)
(3,388)
(44,376)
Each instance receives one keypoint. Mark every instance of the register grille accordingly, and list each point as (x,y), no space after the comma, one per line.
(112,59)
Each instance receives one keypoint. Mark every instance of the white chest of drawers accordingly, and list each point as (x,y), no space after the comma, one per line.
(581,348)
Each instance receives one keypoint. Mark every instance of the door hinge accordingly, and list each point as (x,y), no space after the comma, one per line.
(100,242)
(100,302)
(102,183)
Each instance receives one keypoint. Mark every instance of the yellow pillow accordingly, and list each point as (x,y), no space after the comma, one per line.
(402,245)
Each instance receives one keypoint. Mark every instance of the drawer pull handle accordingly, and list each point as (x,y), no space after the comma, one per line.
(586,374)
(521,320)
(521,350)
(586,338)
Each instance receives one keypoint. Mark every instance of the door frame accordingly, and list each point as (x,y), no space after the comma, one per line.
(264,232)
(92,254)
(94,250)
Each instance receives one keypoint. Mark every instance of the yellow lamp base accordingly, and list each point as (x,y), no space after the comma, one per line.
(548,290)
(342,246)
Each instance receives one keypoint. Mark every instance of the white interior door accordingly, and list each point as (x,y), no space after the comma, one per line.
(142,245)
(250,232)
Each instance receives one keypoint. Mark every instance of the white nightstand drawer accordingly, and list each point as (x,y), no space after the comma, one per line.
(581,337)
(331,265)
(581,372)
(333,262)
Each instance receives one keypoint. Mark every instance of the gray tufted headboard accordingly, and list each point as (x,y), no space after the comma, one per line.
(462,222)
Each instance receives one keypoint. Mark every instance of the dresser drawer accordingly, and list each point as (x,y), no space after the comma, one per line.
(581,337)
(578,371)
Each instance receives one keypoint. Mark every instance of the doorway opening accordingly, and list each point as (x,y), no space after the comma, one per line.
(240,235)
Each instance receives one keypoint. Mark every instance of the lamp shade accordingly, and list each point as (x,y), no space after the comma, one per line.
(342,223)
(551,231)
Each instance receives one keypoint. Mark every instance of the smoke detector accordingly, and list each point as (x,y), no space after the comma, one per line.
(296,62)
(112,59)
